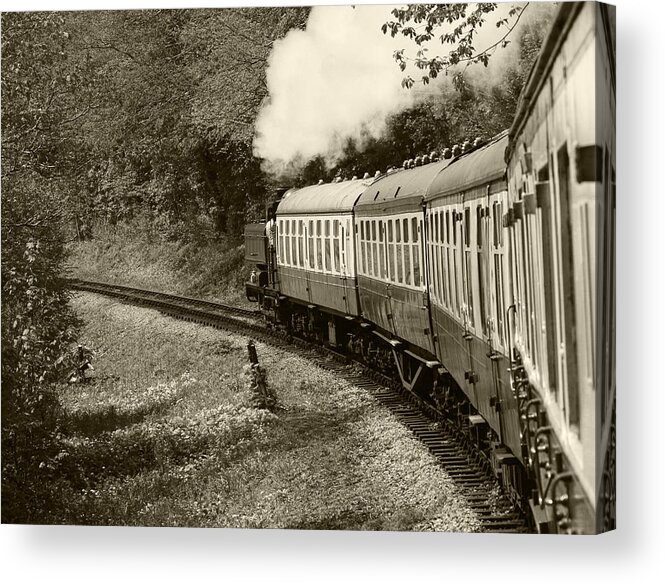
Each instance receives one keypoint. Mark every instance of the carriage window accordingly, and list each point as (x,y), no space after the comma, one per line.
(301,257)
(469,286)
(481,269)
(287,243)
(399,249)
(498,280)
(391,261)
(368,247)
(363,248)
(436,271)
(567,309)
(319,248)
(292,241)
(375,251)
(443,262)
(415,248)
(326,247)
(407,264)
(336,246)
(467,226)
(405,225)
(336,256)
(455,281)
(398,237)
(496,225)
(382,252)
(280,242)
(310,245)
(416,265)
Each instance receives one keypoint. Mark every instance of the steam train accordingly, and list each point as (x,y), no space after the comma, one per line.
(483,279)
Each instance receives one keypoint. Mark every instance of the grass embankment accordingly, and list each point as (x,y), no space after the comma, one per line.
(166,436)
(133,254)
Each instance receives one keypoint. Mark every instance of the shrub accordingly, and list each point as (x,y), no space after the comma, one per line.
(38,327)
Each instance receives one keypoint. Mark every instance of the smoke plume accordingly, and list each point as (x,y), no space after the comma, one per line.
(332,81)
(337,80)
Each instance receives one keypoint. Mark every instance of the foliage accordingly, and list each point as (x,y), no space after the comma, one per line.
(44,95)
(38,328)
(144,253)
(138,124)
(421,23)
(173,132)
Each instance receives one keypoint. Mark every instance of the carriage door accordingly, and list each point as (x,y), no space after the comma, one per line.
(340,262)
(468,249)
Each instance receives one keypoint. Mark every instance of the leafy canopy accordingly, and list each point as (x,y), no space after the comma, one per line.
(422,23)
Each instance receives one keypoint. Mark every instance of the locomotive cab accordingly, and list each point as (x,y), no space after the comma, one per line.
(260,252)
(256,253)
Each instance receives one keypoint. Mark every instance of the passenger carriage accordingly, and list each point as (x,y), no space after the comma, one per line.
(469,284)
(390,235)
(561,165)
(315,252)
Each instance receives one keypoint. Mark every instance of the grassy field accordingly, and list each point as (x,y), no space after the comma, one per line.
(166,436)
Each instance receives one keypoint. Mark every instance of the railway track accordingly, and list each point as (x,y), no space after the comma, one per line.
(479,487)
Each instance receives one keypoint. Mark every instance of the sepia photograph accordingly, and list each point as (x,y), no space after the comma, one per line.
(324,268)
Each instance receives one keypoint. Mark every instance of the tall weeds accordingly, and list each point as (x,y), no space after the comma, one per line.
(137,253)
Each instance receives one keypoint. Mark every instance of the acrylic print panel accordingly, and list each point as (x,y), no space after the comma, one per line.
(282,267)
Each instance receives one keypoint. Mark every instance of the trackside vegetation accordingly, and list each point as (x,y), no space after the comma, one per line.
(167,434)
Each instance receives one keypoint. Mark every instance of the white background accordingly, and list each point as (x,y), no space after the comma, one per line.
(634,552)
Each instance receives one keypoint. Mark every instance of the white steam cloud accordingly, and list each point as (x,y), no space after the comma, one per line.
(337,79)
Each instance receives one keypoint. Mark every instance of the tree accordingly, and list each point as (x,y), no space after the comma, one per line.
(171,136)
(44,96)
(421,23)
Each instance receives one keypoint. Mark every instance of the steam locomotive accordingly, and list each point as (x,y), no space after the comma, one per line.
(483,279)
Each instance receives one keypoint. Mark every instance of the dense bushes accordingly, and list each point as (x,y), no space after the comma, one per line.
(38,328)
(140,253)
